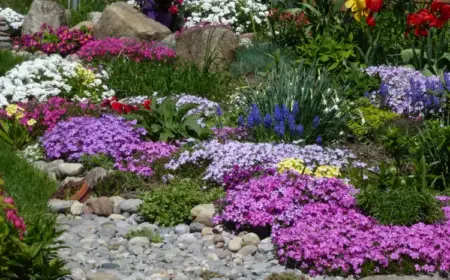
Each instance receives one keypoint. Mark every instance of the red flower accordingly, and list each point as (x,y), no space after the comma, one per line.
(421,22)
(117,107)
(442,12)
(173,10)
(370,20)
(147,104)
(374,6)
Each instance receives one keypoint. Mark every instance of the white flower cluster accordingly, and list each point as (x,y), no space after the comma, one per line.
(32,153)
(13,18)
(52,76)
(241,15)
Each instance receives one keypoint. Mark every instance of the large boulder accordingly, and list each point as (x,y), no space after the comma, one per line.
(122,20)
(43,11)
(211,46)
(203,214)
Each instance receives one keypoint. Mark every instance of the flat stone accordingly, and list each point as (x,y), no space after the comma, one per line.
(235,244)
(251,239)
(196,227)
(70,169)
(187,238)
(116,217)
(60,206)
(130,205)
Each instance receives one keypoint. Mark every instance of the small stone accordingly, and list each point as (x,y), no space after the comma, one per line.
(248,250)
(116,217)
(130,205)
(102,276)
(218,229)
(235,244)
(251,239)
(264,247)
(140,240)
(203,214)
(77,208)
(60,206)
(78,274)
(238,261)
(218,238)
(220,244)
(187,239)
(213,257)
(110,266)
(207,231)
(70,169)
(101,206)
(260,268)
(196,227)
(182,229)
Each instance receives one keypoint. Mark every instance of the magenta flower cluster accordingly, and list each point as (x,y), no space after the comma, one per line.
(316,224)
(131,48)
(12,215)
(109,135)
(62,41)
(49,113)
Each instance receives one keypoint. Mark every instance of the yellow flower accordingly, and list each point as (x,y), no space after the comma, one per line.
(327,171)
(85,75)
(293,164)
(358,8)
(31,122)
(11,110)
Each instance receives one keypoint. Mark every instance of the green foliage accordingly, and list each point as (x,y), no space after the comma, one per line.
(327,52)
(130,78)
(145,232)
(166,122)
(314,92)
(14,133)
(97,160)
(394,199)
(368,120)
(358,82)
(8,61)
(171,205)
(260,57)
(286,276)
(119,182)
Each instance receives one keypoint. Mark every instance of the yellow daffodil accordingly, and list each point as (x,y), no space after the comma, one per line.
(31,122)
(293,164)
(327,171)
(358,8)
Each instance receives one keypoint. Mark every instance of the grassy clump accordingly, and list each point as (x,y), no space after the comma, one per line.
(130,78)
(145,232)
(286,276)
(8,61)
(208,274)
(171,205)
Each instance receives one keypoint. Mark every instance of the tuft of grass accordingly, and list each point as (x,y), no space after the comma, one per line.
(208,274)
(8,61)
(29,187)
(145,232)
(286,276)
(130,78)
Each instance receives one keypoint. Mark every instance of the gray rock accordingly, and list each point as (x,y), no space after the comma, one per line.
(110,266)
(251,239)
(265,247)
(70,179)
(78,274)
(207,231)
(182,229)
(130,205)
(60,206)
(235,244)
(101,206)
(218,238)
(102,276)
(40,165)
(43,11)
(196,227)
(203,214)
(248,250)
(187,239)
(77,208)
(70,169)
(94,175)
(140,241)
(260,268)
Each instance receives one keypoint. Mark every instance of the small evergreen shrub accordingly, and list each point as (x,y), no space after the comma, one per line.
(145,232)
(171,205)
(120,182)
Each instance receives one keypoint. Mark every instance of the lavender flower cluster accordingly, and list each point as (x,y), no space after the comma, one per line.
(407,91)
(224,156)
(315,223)
(109,135)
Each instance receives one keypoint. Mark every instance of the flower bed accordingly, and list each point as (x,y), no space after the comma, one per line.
(43,78)
(131,48)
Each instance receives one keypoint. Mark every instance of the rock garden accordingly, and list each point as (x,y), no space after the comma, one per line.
(213,139)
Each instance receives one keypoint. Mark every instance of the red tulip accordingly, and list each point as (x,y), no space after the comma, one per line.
(370,20)
(173,10)
(374,5)
(147,104)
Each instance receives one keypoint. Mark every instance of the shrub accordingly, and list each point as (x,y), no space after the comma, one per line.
(145,232)
(368,120)
(61,41)
(9,61)
(130,78)
(296,104)
(357,83)
(111,48)
(43,78)
(171,205)
(120,182)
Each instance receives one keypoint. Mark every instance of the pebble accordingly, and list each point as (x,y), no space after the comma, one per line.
(207,231)
(235,244)
(251,239)
(130,205)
